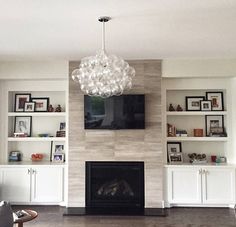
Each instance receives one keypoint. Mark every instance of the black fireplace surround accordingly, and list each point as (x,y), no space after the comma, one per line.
(115,185)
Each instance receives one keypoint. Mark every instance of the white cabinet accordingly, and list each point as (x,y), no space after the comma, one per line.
(47,184)
(184,185)
(32,184)
(218,185)
(15,184)
(200,185)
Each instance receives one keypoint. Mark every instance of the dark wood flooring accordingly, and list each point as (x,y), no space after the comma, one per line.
(51,216)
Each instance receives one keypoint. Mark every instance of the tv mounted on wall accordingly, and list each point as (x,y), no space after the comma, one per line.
(117,112)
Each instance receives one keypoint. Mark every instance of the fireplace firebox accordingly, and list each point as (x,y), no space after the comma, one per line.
(115,185)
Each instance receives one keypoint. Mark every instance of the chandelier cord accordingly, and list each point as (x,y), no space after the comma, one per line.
(103,36)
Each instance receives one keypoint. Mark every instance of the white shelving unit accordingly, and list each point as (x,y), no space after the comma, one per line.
(36,139)
(174,92)
(42,122)
(35,114)
(194,113)
(197,139)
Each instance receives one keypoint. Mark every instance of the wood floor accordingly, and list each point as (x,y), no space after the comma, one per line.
(51,216)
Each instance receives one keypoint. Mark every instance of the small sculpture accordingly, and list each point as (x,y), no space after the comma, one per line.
(58,108)
(179,108)
(50,108)
(171,108)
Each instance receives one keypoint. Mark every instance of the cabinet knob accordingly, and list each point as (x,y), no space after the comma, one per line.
(203,171)
(29,171)
(200,171)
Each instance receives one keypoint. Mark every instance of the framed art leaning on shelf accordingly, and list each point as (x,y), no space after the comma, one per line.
(217,100)
(20,100)
(193,103)
(23,125)
(41,104)
(215,126)
(174,152)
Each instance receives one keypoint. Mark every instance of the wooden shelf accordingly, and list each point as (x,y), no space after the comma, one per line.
(203,139)
(195,113)
(36,139)
(37,114)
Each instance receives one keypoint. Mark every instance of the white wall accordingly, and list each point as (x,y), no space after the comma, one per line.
(198,68)
(34,70)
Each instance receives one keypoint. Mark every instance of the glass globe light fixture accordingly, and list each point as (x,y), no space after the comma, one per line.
(103,75)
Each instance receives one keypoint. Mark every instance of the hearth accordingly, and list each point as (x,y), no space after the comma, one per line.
(115,185)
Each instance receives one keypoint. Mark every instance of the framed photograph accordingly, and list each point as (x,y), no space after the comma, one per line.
(174,149)
(58,157)
(29,107)
(58,147)
(41,104)
(175,158)
(193,103)
(20,100)
(62,126)
(205,105)
(214,124)
(23,125)
(217,100)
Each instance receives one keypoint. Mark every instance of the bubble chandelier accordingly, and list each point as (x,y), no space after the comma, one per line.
(103,75)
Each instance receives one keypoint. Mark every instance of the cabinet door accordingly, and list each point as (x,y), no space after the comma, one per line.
(47,184)
(15,185)
(184,185)
(218,185)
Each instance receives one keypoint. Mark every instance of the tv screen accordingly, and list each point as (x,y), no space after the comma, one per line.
(117,112)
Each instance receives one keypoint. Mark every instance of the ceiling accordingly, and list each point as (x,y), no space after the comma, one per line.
(140,29)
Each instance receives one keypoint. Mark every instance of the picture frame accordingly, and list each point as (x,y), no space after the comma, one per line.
(58,147)
(174,147)
(58,157)
(23,124)
(62,126)
(205,105)
(192,103)
(176,158)
(41,104)
(29,107)
(217,100)
(20,100)
(174,152)
(214,125)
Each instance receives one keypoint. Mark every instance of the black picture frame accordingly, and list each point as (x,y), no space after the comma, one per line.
(38,108)
(176,158)
(25,126)
(217,100)
(27,107)
(203,107)
(20,100)
(196,105)
(58,157)
(219,123)
(174,150)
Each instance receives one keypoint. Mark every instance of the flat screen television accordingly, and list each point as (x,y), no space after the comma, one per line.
(116,112)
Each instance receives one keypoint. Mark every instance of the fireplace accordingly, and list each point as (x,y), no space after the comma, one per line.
(115,185)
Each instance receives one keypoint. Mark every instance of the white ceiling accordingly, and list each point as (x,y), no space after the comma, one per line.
(140,29)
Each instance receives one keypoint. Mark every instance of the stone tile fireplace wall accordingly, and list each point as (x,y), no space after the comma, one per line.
(120,145)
